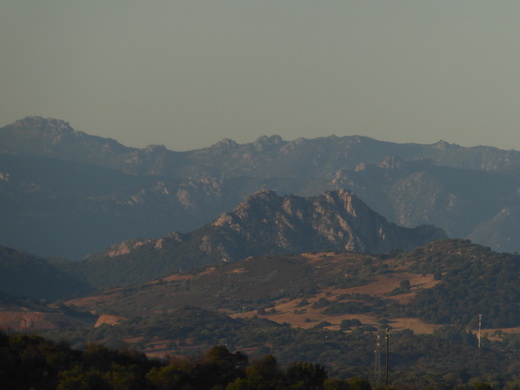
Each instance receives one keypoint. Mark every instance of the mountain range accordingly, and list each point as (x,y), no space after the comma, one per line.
(305,249)
(64,193)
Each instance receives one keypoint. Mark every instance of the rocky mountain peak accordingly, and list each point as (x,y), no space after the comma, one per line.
(41,136)
(332,220)
(265,142)
(226,143)
(443,145)
(155,149)
(261,204)
(57,139)
(259,200)
(43,124)
(264,195)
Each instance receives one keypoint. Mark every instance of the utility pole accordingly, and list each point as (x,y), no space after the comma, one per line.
(387,356)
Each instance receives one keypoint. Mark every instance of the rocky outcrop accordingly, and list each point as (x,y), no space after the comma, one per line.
(336,220)
(264,223)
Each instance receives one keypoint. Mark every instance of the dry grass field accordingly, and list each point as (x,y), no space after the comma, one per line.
(287,311)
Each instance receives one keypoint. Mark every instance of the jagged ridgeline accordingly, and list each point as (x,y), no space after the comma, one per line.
(263,224)
(66,193)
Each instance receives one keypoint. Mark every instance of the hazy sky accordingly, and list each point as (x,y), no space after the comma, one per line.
(189,73)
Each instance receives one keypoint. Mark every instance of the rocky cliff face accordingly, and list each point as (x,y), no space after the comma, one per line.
(264,223)
(336,220)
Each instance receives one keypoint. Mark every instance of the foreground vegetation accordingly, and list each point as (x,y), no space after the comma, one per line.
(32,362)
(449,358)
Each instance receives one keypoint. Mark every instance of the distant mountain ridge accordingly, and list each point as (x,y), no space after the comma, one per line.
(25,275)
(57,139)
(66,193)
(263,224)
(48,137)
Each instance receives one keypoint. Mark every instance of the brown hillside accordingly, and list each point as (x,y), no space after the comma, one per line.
(273,287)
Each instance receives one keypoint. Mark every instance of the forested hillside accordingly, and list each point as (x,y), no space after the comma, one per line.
(445,359)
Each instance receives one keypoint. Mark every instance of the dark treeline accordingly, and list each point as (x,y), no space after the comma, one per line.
(32,362)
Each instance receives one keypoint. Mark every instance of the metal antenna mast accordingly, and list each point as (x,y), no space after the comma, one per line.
(377,363)
(387,355)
